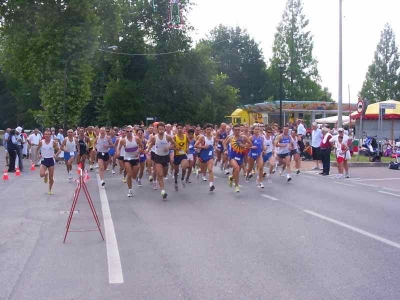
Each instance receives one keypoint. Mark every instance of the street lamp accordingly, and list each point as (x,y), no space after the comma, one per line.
(281,66)
(113,48)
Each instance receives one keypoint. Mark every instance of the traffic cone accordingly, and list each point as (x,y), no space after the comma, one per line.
(17,172)
(32,166)
(86,178)
(5,175)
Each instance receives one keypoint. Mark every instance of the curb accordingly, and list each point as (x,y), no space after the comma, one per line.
(364,164)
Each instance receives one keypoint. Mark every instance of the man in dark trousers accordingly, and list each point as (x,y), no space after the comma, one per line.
(11,148)
(326,151)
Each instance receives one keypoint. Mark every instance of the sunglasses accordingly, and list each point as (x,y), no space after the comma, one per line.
(269,131)
(128,130)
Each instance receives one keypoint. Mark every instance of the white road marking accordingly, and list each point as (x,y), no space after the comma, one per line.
(341,183)
(269,197)
(366,184)
(387,193)
(114,261)
(355,229)
(378,179)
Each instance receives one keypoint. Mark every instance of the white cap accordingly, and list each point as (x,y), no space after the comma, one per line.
(19,129)
(341,129)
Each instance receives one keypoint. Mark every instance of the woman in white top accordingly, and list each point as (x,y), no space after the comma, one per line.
(103,145)
(47,147)
(69,147)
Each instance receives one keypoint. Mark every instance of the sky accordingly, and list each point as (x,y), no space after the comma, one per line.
(363,21)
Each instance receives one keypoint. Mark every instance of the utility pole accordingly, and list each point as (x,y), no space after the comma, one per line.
(340,100)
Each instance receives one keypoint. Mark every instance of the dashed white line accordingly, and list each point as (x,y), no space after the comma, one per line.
(270,197)
(341,183)
(114,261)
(355,229)
(387,193)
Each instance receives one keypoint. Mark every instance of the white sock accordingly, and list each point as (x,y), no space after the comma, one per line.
(211,183)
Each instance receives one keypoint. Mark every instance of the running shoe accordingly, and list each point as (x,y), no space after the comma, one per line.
(124,180)
(264,174)
(226,172)
(298,172)
(237,190)
(155,186)
(230,181)
(113,172)
(204,178)
(164,195)
(188,180)
(130,193)
(96,166)
(260,185)
(347,176)
(139,182)
(288,178)
(212,188)
(91,168)
(103,183)
(151,178)
(50,192)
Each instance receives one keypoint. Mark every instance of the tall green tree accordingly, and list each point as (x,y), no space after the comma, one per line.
(382,80)
(294,46)
(240,57)
(40,39)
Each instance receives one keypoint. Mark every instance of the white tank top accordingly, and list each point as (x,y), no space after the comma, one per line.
(269,144)
(70,146)
(295,143)
(131,149)
(103,145)
(208,142)
(286,141)
(122,152)
(162,146)
(47,150)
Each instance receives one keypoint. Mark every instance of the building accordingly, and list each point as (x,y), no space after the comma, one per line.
(268,112)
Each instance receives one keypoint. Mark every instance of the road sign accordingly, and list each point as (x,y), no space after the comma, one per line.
(149,118)
(360,106)
(387,105)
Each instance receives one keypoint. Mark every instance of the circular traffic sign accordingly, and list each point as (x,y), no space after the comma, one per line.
(360,106)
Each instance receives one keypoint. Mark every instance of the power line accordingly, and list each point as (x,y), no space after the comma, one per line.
(153,54)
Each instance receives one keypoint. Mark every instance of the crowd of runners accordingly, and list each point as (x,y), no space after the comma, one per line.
(180,151)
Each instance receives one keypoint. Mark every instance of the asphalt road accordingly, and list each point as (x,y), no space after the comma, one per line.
(313,238)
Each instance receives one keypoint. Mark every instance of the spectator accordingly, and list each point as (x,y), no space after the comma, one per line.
(33,141)
(316,138)
(301,129)
(326,151)
(20,143)
(307,153)
(5,139)
(12,150)
(347,141)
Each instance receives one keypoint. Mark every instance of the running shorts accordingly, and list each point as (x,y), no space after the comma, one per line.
(162,160)
(178,159)
(103,155)
(48,162)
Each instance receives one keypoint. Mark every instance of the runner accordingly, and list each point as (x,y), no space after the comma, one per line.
(92,151)
(69,147)
(269,155)
(163,143)
(133,148)
(111,133)
(121,154)
(295,150)
(206,144)
(284,141)
(192,154)
(103,145)
(83,152)
(220,137)
(238,145)
(255,156)
(142,156)
(47,147)
(180,157)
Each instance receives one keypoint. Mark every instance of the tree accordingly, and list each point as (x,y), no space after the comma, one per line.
(382,80)
(294,46)
(239,56)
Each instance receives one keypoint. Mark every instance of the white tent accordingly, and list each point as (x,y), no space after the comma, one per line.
(333,120)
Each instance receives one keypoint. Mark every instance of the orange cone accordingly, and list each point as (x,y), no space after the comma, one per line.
(86,178)
(32,166)
(17,172)
(5,175)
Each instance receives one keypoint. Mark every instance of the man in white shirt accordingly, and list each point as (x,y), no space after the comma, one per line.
(33,141)
(348,141)
(316,138)
(301,129)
